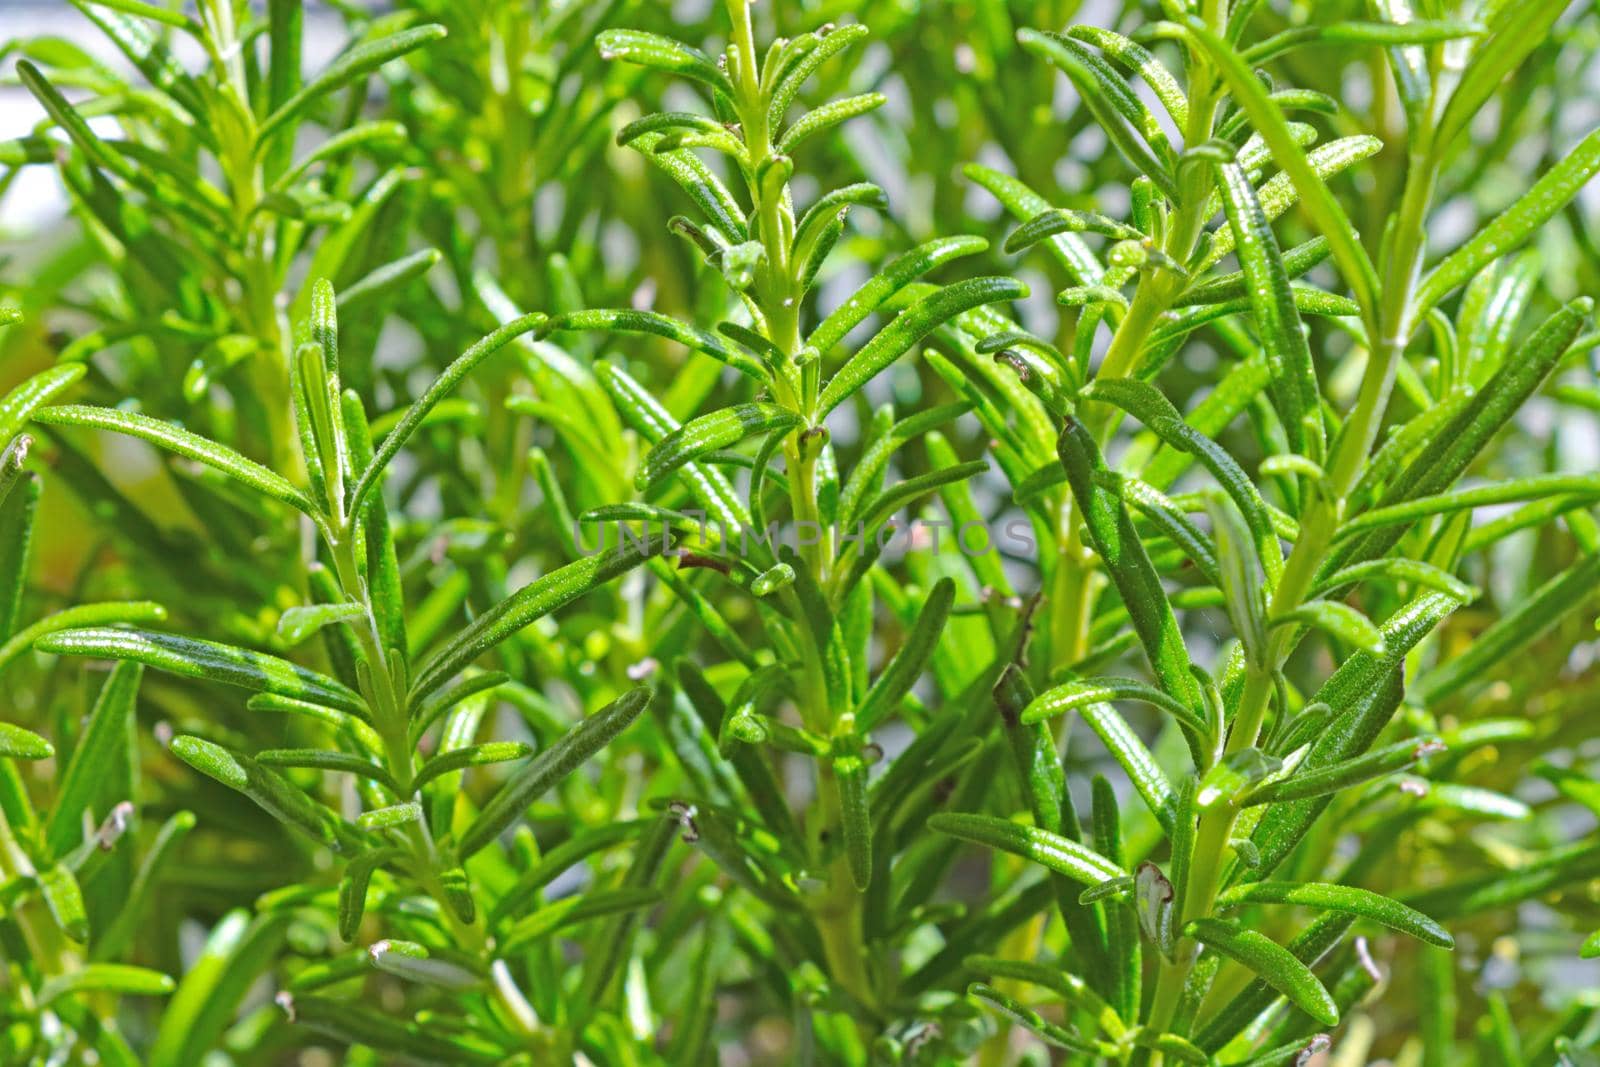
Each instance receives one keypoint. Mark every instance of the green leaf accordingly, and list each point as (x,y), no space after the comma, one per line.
(1531,617)
(1294,379)
(901,271)
(1023,204)
(710,487)
(116,978)
(700,183)
(824,44)
(358,62)
(1584,487)
(471,756)
(183,443)
(1308,946)
(1533,876)
(1349,899)
(528,604)
(1060,854)
(811,260)
(1168,519)
(1452,449)
(910,327)
(1328,216)
(302,621)
(1231,396)
(77,616)
(1123,949)
(64,899)
(442,386)
(1363,694)
(1337,619)
(328,760)
(471,683)
(148,53)
(829,205)
(1115,540)
(612,941)
(1145,403)
(353,1024)
(611,320)
(17,743)
(882,507)
(285,45)
(709,433)
(345,141)
(1069,987)
(1137,60)
(12,456)
(154,12)
(1515,30)
(88,786)
(1088,296)
(827,117)
(135,905)
(905,668)
(661,121)
(20,404)
(339,720)
(208,996)
(1044,786)
(1230,287)
(384,280)
(1075,695)
(390,817)
(1060,220)
(558,859)
(532,928)
(1116,107)
(385,592)
(16,540)
(1276,966)
(855,819)
(206,660)
(414,963)
(353,887)
(100,155)
(1145,774)
(270,792)
(1030,1020)
(1392,569)
(1383,34)
(663,53)
(550,766)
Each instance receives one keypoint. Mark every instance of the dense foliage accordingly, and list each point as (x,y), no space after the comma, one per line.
(852,532)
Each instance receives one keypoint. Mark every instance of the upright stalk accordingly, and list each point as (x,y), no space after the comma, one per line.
(776,294)
(390,720)
(45,943)
(1074,580)
(259,286)
(1389,328)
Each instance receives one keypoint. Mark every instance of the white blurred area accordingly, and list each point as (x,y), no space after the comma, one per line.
(36,197)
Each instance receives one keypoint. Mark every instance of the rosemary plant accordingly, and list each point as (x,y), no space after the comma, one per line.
(477,626)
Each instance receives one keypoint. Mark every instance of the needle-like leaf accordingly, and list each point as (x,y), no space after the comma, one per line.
(1272,962)
(551,765)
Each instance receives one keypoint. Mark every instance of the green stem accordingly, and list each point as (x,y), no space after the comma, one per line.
(43,938)
(391,722)
(837,909)
(1389,327)
(1072,584)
